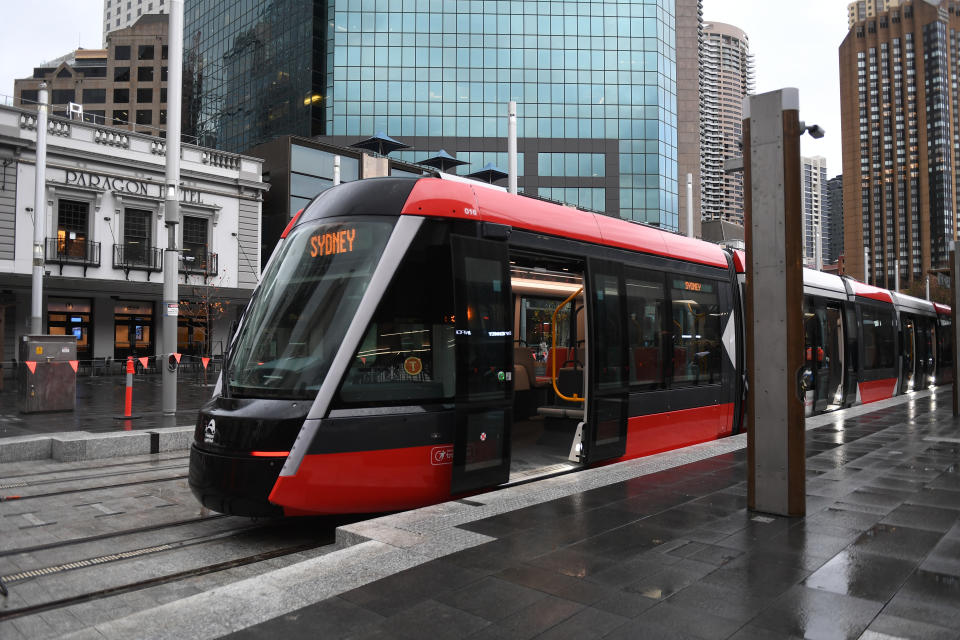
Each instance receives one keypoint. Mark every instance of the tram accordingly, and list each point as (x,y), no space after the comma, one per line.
(417,339)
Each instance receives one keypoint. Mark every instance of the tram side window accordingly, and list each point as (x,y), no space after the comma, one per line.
(945,342)
(697,348)
(878,338)
(407,353)
(645,305)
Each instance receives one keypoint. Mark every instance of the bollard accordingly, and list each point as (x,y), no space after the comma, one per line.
(128,394)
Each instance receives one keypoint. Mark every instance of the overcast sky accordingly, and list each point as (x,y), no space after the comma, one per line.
(794,44)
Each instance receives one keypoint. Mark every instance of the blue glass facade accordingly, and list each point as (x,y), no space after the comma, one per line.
(578,71)
(591,78)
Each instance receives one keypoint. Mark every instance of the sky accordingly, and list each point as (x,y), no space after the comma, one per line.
(794,45)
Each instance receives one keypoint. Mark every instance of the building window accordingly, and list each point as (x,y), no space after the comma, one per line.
(194,240)
(144,116)
(62,96)
(144,95)
(145,52)
(145,74)
(163,96)
(29,96)
(137,245)
(121,52)
(163,50)
(163,116)
(94,96)
(121,116)
(94,116)
(121,74)
(121,95)
(72,228)
(163,74)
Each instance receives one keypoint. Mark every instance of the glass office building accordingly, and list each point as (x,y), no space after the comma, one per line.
(595,84)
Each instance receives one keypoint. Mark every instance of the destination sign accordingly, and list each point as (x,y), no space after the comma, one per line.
(332,243)
(693,285)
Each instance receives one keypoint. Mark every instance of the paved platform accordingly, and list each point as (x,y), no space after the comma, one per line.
(92,431)
(661,547)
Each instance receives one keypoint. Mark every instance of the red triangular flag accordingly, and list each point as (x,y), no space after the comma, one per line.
(74,364)
(177,356)
(31,365)
(144,361)
(205,362)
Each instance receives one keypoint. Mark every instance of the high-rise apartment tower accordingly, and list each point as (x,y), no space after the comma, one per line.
(726,76)
(901,140)
(815,222)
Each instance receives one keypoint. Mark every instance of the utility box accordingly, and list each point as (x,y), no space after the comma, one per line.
(47,374)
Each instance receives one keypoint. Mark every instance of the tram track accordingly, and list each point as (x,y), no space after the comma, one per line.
(112,534)
(12,483)
(99,594)
(147,464)
(51,494)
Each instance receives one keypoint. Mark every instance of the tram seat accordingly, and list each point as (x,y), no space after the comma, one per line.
(523,360)
(558,354)
(521,379)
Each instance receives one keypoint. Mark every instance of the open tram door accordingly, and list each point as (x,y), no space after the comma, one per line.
(605,430)
(484,354)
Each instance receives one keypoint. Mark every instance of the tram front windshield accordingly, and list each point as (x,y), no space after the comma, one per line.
(301,311)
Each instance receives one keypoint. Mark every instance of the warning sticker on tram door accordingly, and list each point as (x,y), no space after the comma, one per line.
(441,455)
(413,365)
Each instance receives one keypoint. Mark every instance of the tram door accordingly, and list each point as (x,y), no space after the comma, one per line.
(909,346)
(608,378)
(484,351)
(830,367)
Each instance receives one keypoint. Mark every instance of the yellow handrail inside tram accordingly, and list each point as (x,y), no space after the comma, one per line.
(553,346)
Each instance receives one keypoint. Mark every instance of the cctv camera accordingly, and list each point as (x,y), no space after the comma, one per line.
(815,131)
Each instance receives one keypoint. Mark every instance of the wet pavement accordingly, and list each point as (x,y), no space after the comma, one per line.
(676,554)
(100,399)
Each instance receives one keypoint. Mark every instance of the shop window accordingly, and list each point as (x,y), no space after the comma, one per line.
(132,329)
(71,317)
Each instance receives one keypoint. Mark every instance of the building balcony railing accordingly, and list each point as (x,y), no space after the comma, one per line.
(135,256)
(199,263)
(78,252)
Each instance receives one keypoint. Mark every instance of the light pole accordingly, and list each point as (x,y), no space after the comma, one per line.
(171,217)
(39,215)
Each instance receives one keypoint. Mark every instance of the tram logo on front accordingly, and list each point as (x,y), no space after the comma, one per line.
(441,456)
(210,431)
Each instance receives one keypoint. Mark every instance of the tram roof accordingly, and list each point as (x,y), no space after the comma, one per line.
(868,291)
(458,199)
(903,301)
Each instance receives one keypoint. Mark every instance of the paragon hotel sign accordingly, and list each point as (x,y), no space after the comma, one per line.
(130,186)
